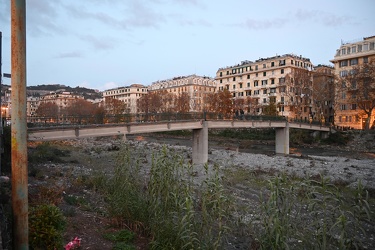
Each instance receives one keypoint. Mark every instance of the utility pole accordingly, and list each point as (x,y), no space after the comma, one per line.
(19,126)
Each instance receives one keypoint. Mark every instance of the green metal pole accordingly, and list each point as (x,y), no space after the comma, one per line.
(19,126)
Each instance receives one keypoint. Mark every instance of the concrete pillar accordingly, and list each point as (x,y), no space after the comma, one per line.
(200,144)
(282,140)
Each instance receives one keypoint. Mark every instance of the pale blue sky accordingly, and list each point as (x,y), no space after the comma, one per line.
(102,44)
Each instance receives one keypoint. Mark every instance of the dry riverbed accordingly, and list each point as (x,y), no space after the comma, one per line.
(88,155)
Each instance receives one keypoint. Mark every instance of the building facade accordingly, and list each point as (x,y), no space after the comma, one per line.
(128,95)
(351,55)
(197,88)
(280,80)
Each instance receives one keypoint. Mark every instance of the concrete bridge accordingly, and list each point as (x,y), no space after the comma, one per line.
(199,128)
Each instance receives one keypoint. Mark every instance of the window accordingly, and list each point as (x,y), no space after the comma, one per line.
(348,50)
(273,90)
(291,62)
(248,93)
(281,62)
(248,76)
(353,106)
(240,85)
(264,73)
(233,71)
(354,61)
(234,94)
(343,107)
(234,79)
(282,100)
(264,66)
(365,47)
(344,63)
(221,80)
(228,72)
(264,91)
(282,80)
(264,82)
(343,95)
(372,46)
(221,73)
(343,73)
(264,100)
(248,84)
(343,51)
(359,47)
(256,74)
(282,71)
(256,92)
(255,83)
(282,90)
(272,64)
(354,84)
(365,59)
(354,49)
(272,81)
(234,86)
(256,67)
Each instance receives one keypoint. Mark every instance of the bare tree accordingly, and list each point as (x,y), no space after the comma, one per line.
(80,111)
(299,93)
(48,110)
(360,85)
(225,105)
(182,102)
(114,109)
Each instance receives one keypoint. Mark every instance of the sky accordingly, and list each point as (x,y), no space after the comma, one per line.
(103,44)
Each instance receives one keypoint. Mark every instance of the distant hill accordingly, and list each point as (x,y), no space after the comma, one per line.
(45,88)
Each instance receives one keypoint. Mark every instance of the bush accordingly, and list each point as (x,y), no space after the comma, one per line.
(46,226)
(46,152)
(337,138)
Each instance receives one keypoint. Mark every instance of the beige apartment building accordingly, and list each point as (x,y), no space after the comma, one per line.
(349,55)
(197,88)
(283,80)
(129,95)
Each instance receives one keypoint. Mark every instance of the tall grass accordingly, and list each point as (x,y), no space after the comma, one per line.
(311,214)
(167,206)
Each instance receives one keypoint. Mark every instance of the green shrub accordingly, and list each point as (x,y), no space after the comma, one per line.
(337,138)
(46,226)
(46,152)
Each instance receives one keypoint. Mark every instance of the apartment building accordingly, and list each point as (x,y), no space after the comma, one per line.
(129,95)
(347,109)
(283,80)
(197,88)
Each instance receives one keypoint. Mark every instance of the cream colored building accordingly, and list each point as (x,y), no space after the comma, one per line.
(349,55)
(129,95)
(269,80)
(196,86)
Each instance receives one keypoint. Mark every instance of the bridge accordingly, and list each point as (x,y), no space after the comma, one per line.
(199,128)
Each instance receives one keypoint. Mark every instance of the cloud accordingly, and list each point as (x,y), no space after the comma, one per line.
(326,18)
(70,55)
(263,24)
(104,43)
(42,18)
(109,85)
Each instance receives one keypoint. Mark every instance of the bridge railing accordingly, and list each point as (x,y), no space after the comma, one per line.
(153,117)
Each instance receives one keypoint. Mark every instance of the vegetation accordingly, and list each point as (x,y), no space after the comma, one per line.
(46,225)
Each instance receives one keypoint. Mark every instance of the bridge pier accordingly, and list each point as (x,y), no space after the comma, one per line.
(282,140)
(200,144)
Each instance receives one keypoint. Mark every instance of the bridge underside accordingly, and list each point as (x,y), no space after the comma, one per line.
(199,128)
